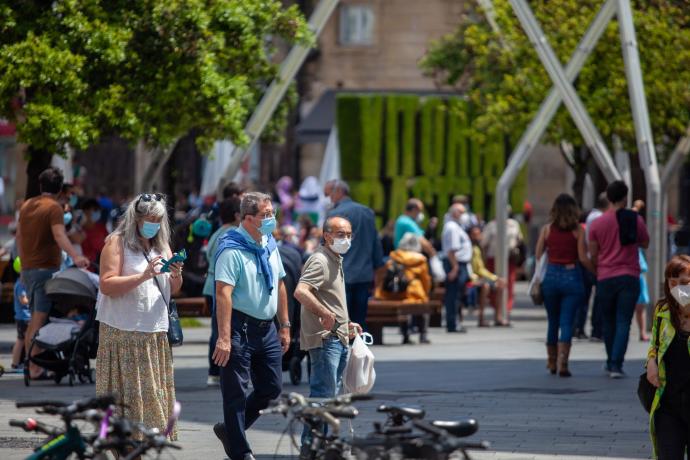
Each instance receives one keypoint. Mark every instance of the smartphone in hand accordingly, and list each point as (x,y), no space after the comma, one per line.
(177,257)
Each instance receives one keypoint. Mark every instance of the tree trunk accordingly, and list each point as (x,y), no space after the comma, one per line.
(39,161)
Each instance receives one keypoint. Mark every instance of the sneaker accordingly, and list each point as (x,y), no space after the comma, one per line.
(219,431)
(596,339)
(616,374)
(213,381)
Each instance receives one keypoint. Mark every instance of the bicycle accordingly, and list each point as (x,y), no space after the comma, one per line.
(62,443)
(395,439)
(113,432)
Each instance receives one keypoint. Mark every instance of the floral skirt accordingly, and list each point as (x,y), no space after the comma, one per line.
(137,368)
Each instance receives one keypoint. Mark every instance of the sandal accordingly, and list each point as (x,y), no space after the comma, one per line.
(502,324)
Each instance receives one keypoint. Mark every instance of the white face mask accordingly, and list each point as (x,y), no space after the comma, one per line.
(682,294)
(420,218)
(341,245)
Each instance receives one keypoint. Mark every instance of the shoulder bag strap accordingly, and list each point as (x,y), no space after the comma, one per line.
(167,302)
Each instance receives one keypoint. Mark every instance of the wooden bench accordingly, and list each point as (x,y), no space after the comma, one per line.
(192,306)
(395,313)
(437,293)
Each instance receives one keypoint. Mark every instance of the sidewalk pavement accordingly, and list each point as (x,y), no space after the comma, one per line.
(496,375)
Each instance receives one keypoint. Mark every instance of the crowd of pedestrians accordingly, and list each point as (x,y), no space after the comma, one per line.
(298,270)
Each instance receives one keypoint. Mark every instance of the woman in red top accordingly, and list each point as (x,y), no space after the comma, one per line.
(562,287)
(94,230)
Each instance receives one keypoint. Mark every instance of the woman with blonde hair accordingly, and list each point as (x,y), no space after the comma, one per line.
(563,239)
(134,358)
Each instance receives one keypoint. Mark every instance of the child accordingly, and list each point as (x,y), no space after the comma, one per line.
(22,315)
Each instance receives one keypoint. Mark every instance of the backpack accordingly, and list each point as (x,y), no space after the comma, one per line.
(395,280)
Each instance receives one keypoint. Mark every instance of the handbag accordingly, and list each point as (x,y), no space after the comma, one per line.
(175,336)
(645,390)
(534,288)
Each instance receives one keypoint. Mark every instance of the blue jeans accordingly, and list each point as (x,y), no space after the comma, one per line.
(454,290)
(616,298)
(590,280)
(34,280)
(564,293)
(255,353)
(357,296)
(213,369)
(327,366)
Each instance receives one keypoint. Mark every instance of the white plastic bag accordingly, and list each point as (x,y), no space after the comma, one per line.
(359,375)
(437,271)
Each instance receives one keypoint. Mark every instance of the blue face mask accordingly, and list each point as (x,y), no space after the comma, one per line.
(149,229)
(67,218)
(96,216)
(267,225)
(73,200)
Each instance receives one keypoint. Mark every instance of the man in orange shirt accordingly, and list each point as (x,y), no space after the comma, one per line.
(41,237)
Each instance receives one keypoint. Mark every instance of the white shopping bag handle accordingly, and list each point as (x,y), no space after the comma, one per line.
(367,338)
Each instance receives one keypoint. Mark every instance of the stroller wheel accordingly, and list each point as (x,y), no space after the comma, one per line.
(71,379)
(27,379)
(295,370)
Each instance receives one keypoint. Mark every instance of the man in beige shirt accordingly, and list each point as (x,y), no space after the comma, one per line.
(326,327)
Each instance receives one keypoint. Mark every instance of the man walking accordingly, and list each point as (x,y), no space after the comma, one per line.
(326,327)
(409,223)
(597,335)
(365,255)
(457,251)
(249,293)
(40,238)
(614,239)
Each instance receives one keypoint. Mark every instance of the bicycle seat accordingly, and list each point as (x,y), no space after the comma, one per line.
(460,429)
(411,412)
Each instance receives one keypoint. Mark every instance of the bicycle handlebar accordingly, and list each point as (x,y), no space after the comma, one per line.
(33,425)
(23,404)
(66,409)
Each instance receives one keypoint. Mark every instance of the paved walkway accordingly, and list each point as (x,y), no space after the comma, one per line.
(495,375)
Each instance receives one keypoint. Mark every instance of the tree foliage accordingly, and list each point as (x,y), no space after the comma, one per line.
(72,71)
(506,84)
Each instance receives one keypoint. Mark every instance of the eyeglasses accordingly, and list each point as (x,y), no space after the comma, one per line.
(146,197)
(266,215)
(343,235)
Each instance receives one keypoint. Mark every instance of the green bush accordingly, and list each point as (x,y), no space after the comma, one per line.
(386,139)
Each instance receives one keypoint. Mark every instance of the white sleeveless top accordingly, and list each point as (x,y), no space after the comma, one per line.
(142,309)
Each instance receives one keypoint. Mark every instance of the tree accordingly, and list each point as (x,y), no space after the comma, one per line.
(505,81)
(72,71)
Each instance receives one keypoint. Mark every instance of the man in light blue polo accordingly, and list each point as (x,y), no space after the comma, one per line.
(249,294)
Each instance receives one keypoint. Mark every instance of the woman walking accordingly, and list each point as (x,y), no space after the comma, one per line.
(563,239)
(668,367)
(134,358)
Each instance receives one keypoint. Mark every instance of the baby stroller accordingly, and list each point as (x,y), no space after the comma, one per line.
(68,341)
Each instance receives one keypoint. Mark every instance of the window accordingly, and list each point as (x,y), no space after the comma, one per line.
(356,25)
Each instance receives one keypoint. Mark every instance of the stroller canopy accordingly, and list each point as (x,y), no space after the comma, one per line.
(72,286)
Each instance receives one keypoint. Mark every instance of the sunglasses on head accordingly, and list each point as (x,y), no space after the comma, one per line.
(148,197)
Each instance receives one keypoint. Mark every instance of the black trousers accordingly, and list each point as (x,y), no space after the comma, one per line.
(255,355)
(672,427)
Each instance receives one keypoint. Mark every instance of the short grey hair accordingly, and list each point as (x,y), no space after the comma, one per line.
(341,186)
(249,206)
(138,210)
(410,242)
